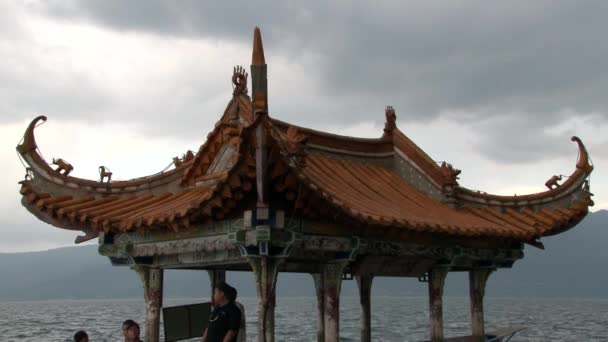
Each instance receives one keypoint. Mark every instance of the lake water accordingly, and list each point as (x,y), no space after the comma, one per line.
(393,318)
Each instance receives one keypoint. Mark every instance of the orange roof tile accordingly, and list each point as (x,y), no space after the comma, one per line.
(378,195)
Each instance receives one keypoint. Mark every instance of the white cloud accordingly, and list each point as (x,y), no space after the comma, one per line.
(132,99)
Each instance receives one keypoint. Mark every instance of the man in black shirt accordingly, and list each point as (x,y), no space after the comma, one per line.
(225,319)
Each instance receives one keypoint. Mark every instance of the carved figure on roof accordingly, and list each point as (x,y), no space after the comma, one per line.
(239,80)
(553,182)
(177,161)
(104,172)
(29,173)
(295,140)
(188,156)
(449,172)
(62,165)
(391,120)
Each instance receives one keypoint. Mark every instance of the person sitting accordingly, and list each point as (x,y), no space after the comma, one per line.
(81,336)
(225,319)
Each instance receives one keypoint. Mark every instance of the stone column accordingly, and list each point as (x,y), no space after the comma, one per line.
(152,281)
(436,282)
(477,288)
(364,283)
(265,270)
(215,277)
(319,280)
(332,283)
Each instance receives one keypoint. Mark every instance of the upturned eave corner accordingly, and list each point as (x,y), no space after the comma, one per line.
(575,183)
(29,140)
(584,160)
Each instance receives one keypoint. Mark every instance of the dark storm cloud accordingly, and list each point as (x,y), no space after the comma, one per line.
(515,139)
(50,94)
(483,58)
(541,55)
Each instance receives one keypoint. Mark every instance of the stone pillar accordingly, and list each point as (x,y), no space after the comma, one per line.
(332,283)
(436,282)
(364,283)
(152,281)
(477,288)
(215,277)
(319,280)
(266,270)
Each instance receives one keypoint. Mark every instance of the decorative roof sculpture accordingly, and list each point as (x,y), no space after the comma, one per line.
(387,186)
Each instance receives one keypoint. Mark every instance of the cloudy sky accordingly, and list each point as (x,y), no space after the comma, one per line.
(495,88)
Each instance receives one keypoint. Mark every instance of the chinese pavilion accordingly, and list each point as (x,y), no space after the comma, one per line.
(266,196)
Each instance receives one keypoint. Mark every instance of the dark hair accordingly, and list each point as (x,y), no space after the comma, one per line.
(78,336)
(128,322)
(229,291)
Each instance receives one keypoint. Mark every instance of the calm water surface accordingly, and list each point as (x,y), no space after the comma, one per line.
(393,318)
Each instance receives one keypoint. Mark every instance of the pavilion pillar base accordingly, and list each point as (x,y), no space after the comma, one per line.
(477,288)
(319,280)
(364,282)
(215,277)
(265,270)
(152,281)
(436,283)
(328,284)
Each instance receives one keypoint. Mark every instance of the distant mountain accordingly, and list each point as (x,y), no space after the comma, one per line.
(573,265)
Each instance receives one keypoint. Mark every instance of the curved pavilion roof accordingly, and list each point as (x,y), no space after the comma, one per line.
(388,184)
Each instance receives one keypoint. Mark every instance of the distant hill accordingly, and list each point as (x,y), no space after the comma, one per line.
(573,265)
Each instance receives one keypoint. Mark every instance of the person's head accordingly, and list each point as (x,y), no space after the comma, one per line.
(132,331)
(224,293)
(81,336)
(125,325)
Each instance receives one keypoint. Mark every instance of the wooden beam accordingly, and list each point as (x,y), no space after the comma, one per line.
(436,282)
(261,167)
(265,270)
(477,288)
(152,281)
(319,280)
(332,274)
(365,286)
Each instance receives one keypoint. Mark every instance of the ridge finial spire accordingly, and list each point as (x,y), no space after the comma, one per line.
(257,57)
(259,82)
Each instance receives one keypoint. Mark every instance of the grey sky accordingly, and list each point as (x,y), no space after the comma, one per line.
(527,60)
(539,57)
(492,86)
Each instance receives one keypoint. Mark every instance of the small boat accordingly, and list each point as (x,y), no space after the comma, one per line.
(499,335)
